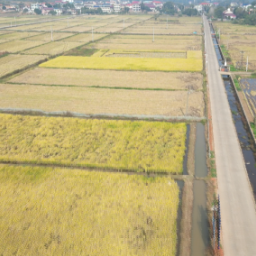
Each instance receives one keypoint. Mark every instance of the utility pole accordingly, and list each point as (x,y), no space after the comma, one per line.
(51,34)
(247,64)
(92,34)
(242,59)
(153,35)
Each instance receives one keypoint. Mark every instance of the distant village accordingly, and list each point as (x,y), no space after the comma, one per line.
(77,7)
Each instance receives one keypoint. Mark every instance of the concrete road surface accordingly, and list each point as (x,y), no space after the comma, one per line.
(236,198)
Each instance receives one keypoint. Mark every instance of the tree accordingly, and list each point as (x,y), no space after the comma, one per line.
(38,11)
(144,8)
(69,6)
(57,6)
(240,13)
(168,8)
(48,5)
(250,19)
(52,12)
(126,9)
(4,7)
(21,5)
(218,13)
(190,12)
(25,10)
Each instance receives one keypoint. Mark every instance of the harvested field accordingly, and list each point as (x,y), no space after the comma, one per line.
(174,20)
(237,43)
(109,212)
(11,63)
(145,42)
(84,38)
(108,29)
(47,36)
(163,28)
(108,102)
(122,63)
(129,145)
(17,35)
(53,48)
(103,78)
(234,29)
(18,45)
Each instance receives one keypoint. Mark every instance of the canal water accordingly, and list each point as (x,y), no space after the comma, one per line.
(200,232)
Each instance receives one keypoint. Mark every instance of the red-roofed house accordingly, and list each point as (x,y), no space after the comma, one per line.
(157,4)
(228,14)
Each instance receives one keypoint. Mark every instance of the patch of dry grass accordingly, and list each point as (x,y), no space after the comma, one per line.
(17,35)
(53,48)
(47,211)
(18,45)
(103,78)
(47,36)
(14,62)
(102,101)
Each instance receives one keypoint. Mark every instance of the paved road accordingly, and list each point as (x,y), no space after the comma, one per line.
(236,198)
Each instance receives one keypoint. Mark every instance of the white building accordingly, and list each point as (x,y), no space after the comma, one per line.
(35,6)
(199,8)
(116,8)
(136,8)
(106,8)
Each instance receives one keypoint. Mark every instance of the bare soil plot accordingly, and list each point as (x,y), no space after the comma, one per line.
(16,35)
(53,48)
(47,36)
(102,101)
(177,20)
(118,79)
(109,212)
(11,63)
(18,45)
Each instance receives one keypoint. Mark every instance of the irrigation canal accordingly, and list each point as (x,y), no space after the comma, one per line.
(200,232)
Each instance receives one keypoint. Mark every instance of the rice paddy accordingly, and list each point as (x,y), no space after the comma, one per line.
(59,211)
(104,78)
(14,62)
(122,63)
(105,102)
(119,145)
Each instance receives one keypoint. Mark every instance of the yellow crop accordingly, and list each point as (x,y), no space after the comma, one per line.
(58,212)
(140,146)
(147,64)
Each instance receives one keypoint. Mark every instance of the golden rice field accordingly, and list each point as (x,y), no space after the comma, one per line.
(46,211)
(104,78)
(119,145)
(18,45)
(53,48)
(14,62)
(109,102)
(144,64)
